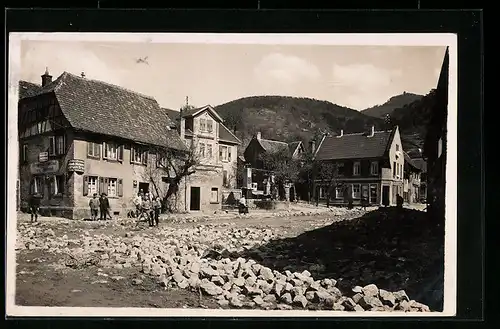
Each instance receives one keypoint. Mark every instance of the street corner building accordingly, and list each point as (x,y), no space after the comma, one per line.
(370,166)
(79,136)
(213,184)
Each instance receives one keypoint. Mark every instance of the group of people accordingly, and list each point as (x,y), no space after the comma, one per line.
(145,203)
(99,205)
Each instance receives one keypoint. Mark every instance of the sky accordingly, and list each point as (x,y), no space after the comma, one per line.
(357,77)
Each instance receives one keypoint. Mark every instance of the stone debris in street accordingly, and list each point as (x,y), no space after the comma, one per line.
(204,259)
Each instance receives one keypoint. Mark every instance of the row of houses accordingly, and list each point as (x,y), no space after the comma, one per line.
(372,168)
(79,136)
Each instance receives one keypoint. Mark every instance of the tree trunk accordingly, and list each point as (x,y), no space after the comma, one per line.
(173,188)
(328,200)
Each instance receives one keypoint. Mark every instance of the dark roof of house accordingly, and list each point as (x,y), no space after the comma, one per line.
(192,112)
(227,136)
(355,146)
(409,161)
(103,108)
(224,133)
(28,89)
(272,146)
(420,163)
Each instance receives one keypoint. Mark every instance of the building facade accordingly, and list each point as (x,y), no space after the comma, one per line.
(79,136)
(370,167)
(214,182)
(411,181)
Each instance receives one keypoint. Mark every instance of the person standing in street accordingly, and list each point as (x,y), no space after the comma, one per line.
(104,207)
(157,209)
(34,206)
(94,207)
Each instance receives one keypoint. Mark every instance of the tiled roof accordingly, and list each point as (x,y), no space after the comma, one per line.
(28,89)
(409,161)
(272,146)
(227,136)
(103,108)
(420,163)
(192,112)
(355,146)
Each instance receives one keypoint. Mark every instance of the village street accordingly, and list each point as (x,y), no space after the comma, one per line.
(314,258)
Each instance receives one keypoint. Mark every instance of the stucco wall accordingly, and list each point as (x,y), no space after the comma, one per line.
(205,178)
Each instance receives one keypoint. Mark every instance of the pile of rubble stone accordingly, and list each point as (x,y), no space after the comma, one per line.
(181,258)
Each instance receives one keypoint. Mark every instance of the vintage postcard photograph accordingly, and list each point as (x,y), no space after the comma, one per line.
(231,175)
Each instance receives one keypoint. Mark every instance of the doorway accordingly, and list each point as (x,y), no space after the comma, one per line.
(144,187)
(195,198)
(385,195)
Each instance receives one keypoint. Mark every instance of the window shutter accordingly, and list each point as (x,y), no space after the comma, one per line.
(101,185)
(97,150)
(90,148)
(52,145)
(52,186)
(145,157)
(120,153)
(132,153)
(120,187)
(85,185)
(105,186)
(32,185)
(229,153)
(104,150)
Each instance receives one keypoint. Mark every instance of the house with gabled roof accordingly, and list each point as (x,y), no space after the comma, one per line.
(261,179)
(215,179)
(370,166)
(80,136)
(411,181)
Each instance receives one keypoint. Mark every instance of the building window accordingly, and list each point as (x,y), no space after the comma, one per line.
(90,185)
(394,169)
(321,193)
(57,185)
(340,169)
(214,196)
(24,153)
(373,193)
(209,151)
(224,178)
(374,168)
(229,153)
(210,127)
(338,192)
(93,150)
(37,185)
(202,150)
(364,192)
(203,125)
(356,170)
(224,153)
(113,151)
(112,187)
(397,147)
(57,145)
(138,155)
(161,161)
(356,191)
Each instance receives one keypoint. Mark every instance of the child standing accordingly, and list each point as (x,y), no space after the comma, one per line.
(94,207)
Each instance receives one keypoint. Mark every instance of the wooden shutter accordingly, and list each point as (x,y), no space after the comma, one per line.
(105,185)
(229,153)
(101,185)
(132,152)
(97,150)
(120,187)
(119,151)
(52,186)
(85,185)
(145,157)
(90,147)
(104,150)
(52,146)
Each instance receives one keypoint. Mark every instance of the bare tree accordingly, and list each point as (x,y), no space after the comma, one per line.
(327,173)
(284,168)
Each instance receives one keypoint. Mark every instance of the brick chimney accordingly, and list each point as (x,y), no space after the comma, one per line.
(259,135)
(46,77)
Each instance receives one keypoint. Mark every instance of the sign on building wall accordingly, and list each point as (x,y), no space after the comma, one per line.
(76,165)
(43,156)
(47,167)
